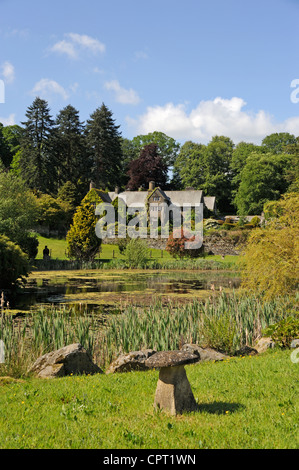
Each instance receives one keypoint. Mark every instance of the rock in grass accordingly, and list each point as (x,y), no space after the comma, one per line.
(263,344)
(295,343)
(72,359)
(134,360)
(206,354)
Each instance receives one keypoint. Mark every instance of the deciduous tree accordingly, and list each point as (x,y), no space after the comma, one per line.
(262,179)
(271,259)
(18,212)
(148,167)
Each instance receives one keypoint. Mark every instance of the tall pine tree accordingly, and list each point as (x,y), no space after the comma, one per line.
(70,147)
(105,148)
(37,164)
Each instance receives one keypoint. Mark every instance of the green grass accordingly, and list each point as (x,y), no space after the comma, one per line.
(244,403)
(58,249)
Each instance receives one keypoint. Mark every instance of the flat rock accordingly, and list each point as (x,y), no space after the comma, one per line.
(134,360)
(71,359)
(295,343)
(263,344)
(206,354)
(172,359)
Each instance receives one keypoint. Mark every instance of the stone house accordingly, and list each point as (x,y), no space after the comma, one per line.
(155,197)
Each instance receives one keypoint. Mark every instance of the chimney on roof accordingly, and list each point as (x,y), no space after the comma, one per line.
(151,186)
(116,190)
(91,186)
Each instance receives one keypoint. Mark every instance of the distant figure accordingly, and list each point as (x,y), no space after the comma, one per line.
(46,253)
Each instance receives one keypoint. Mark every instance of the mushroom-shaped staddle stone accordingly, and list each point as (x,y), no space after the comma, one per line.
(173,391)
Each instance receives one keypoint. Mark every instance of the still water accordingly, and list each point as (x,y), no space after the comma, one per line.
(93,289)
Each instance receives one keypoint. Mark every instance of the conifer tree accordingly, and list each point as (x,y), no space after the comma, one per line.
(82,241)
(70,148)
(105,148)
(37,165)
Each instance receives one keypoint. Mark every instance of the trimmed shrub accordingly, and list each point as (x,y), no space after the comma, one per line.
(176,246)
(284,331)
(14,264)
(30,245)
(82,241)
(136,253)
(255,221)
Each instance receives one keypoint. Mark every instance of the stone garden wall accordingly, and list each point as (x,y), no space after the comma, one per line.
(219,243)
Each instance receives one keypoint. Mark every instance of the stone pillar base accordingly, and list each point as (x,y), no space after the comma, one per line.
(173,391)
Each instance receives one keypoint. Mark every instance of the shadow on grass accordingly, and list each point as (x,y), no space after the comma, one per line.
(220,407)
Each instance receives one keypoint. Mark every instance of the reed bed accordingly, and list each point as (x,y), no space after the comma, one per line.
(42,331)
(117,263)
(225,322)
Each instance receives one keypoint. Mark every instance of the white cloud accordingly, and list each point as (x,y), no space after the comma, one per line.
(10,121)
(213,117)
(46,88)
(8,72)
(87,42)
(74,43)
(122,95)
(65,47)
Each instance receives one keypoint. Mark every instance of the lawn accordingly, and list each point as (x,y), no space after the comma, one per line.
(58,249)
(244,403)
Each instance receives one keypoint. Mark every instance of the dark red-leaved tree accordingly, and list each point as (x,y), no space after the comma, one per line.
(149,166)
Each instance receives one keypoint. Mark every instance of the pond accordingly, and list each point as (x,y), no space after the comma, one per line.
(95,289)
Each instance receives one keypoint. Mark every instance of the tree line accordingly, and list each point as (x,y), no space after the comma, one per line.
(58,157)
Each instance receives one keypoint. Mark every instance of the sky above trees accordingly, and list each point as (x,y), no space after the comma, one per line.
(190,69)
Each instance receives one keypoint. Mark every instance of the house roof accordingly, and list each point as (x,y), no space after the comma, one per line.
(163,194)
(210,203)
(178,198)
(131,197)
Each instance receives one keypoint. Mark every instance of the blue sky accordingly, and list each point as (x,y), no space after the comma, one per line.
(191,68)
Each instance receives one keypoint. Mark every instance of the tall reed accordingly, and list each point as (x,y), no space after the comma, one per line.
(226,322)
(42,331)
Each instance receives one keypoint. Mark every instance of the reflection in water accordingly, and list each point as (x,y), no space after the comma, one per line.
(94,288)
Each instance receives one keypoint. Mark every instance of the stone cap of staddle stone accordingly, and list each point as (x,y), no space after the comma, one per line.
(171,359)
